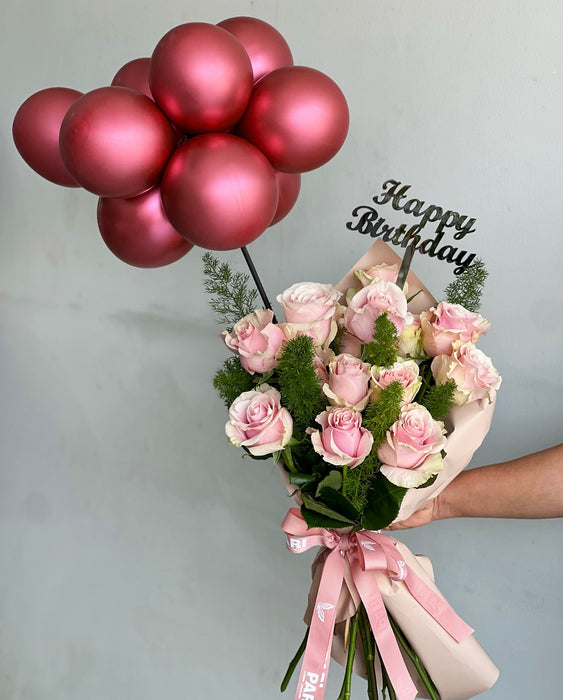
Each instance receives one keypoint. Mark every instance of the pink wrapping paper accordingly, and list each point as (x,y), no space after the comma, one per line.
(466,425)
(459,670)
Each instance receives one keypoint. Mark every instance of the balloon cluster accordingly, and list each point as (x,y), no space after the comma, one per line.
(201,144)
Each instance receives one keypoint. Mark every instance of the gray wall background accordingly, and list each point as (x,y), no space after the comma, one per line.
(140,557)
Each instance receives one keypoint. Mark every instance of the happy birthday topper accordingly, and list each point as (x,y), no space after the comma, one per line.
(394,192)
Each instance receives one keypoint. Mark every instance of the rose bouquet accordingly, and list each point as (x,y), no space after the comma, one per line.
(371,397)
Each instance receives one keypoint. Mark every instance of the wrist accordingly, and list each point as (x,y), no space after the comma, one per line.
(443,508)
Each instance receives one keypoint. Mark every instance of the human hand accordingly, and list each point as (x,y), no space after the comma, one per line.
(422,517)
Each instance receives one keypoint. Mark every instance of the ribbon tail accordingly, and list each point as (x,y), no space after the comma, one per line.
(436,606)
(384,636)
(314,670)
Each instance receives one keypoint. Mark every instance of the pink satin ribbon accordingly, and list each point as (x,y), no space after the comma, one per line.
(364,552)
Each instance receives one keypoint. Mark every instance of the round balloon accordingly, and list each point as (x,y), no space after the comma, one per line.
(134,75)
(36,130)
(138,232)
(115,142)
(298,117)
(265,46)
(219,191)
(289,185)
(201,77)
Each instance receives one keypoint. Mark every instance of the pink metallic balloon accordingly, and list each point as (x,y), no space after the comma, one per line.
(36,132)
(201,77)
(265,46)
(115,142)
(138,232)
(134,75)
(289,185)
(297,117)
(219,191)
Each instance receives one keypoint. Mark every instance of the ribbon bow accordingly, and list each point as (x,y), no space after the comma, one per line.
(364,552)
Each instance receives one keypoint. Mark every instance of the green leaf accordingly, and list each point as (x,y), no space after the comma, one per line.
(300,479)
(333,480)
(338,502)
(314,519)
(260,457)
(383,503)
(413,296)
(262,378)
(311,486)
(314,505)
(428,483)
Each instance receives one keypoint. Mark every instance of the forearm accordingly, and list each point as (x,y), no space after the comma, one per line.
(527,487)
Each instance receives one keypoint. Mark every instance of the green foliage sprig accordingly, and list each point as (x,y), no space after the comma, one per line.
(298,384)
(378,418)
(382,351)
(358,481)
(439,399)
(232,298)
(466,289)
(381,415)
(232,380)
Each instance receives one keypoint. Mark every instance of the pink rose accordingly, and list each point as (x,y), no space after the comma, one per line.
(412,447)
(342,440)
(349,344)
(321,359)
(377,272)
(257,340)
(310,307)
(369,303)
(258,422)
(404,371)
(472,371)
(348,382)
(409,343)
(446,323)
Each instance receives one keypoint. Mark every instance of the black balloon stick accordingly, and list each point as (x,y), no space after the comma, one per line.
(257,281)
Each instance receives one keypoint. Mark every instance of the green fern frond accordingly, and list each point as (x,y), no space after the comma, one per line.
(382,351)
(232,380)
(299,386)
(358,481)
(466,289)
(378,418)
(231,296)
(381,415)
(439,399)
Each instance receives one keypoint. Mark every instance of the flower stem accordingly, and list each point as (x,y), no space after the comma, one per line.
(293,663)
(426,376)
(347,683)
(387,685)
(288,459)
(368,644)
(422,672)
